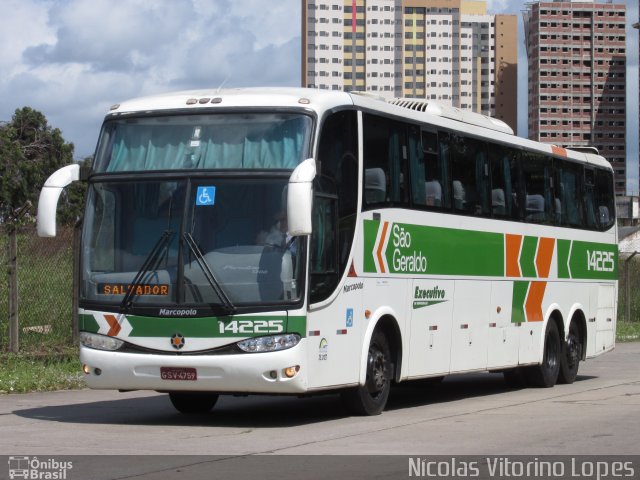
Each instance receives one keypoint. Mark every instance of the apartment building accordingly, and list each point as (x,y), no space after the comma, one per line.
(449,51)
(577,63)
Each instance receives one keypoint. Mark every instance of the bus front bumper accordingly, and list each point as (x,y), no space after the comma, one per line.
(239,373)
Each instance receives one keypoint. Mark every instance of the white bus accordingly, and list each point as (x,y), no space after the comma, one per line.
(294,241)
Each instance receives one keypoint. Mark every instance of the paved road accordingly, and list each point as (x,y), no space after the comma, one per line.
(472,414)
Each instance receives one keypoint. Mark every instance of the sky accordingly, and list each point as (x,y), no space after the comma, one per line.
(72,59)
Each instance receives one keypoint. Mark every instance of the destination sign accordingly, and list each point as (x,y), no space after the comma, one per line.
(140,290)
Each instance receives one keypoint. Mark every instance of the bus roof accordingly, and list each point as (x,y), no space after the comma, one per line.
(320,101)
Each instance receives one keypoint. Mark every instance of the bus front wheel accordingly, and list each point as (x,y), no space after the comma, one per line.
(193,403)
(371,398)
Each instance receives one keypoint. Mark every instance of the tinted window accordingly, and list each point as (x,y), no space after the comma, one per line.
(469,173)
(536,175)
(504,182)
(385,162)
(568,204)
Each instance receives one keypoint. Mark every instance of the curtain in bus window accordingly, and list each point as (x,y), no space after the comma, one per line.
(443,168)
(394,166)
(250,145)
(417,169)
(482,182)
(277,146)
(508,189)
(147,147)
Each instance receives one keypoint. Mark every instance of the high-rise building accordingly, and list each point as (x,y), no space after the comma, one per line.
(577,61)
(449,51)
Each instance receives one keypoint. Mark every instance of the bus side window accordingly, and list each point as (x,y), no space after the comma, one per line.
(385,154)
(568,207)
(604,199)
(598,199)
(430,184)
(589,198)
(536,176)
(470,176)
(504,182)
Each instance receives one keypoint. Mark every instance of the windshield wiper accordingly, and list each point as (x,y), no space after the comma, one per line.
(208,274)
(150,264)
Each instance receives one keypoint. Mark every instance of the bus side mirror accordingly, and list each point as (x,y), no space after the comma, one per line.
(299,199)
(49,196)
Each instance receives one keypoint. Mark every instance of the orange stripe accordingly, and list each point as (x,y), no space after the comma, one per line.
(113,323)
(512,244)
(559,151)
(379,253)
(533,303)
(543,257)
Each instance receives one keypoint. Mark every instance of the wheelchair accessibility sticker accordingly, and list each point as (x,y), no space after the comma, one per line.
(206,196)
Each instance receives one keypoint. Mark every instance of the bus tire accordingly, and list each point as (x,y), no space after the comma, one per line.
(193,403)
(571,355)
(546,374)
(371,398)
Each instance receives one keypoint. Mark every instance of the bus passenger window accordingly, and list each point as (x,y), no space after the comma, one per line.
(598,199)
(429,170)
(536,175)
(568,207)
(504,182)
(385,162)
(470,176)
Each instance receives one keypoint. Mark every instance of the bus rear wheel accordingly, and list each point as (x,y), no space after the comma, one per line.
(371,398)
(546,374)
(193,403)
(571,355)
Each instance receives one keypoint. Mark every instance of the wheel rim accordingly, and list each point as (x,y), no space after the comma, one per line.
(376,371)
(573,349)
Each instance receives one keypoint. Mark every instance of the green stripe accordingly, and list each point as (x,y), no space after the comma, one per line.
(594,261)
(517,305)
(205,327)
(88,324)
(563,257)
(415,249)
(528,256)
(370,232)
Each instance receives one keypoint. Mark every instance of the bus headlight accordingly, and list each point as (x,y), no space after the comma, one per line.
(271,343)
(100,342)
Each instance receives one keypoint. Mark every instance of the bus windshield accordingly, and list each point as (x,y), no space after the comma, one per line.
(210,241)
(207,141)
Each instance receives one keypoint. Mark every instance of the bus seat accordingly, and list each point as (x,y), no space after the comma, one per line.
(458,195)
(375,185)
(433,191)
(603,215)
(498,203)
(535,207)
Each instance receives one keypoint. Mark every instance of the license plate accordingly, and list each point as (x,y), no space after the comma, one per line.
(178,373)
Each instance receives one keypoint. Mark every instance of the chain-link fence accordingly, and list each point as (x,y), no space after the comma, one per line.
(44,274)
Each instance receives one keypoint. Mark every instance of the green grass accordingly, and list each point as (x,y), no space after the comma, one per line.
(628,332)
(22,373)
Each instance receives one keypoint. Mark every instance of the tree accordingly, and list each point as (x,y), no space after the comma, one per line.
(30,151)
